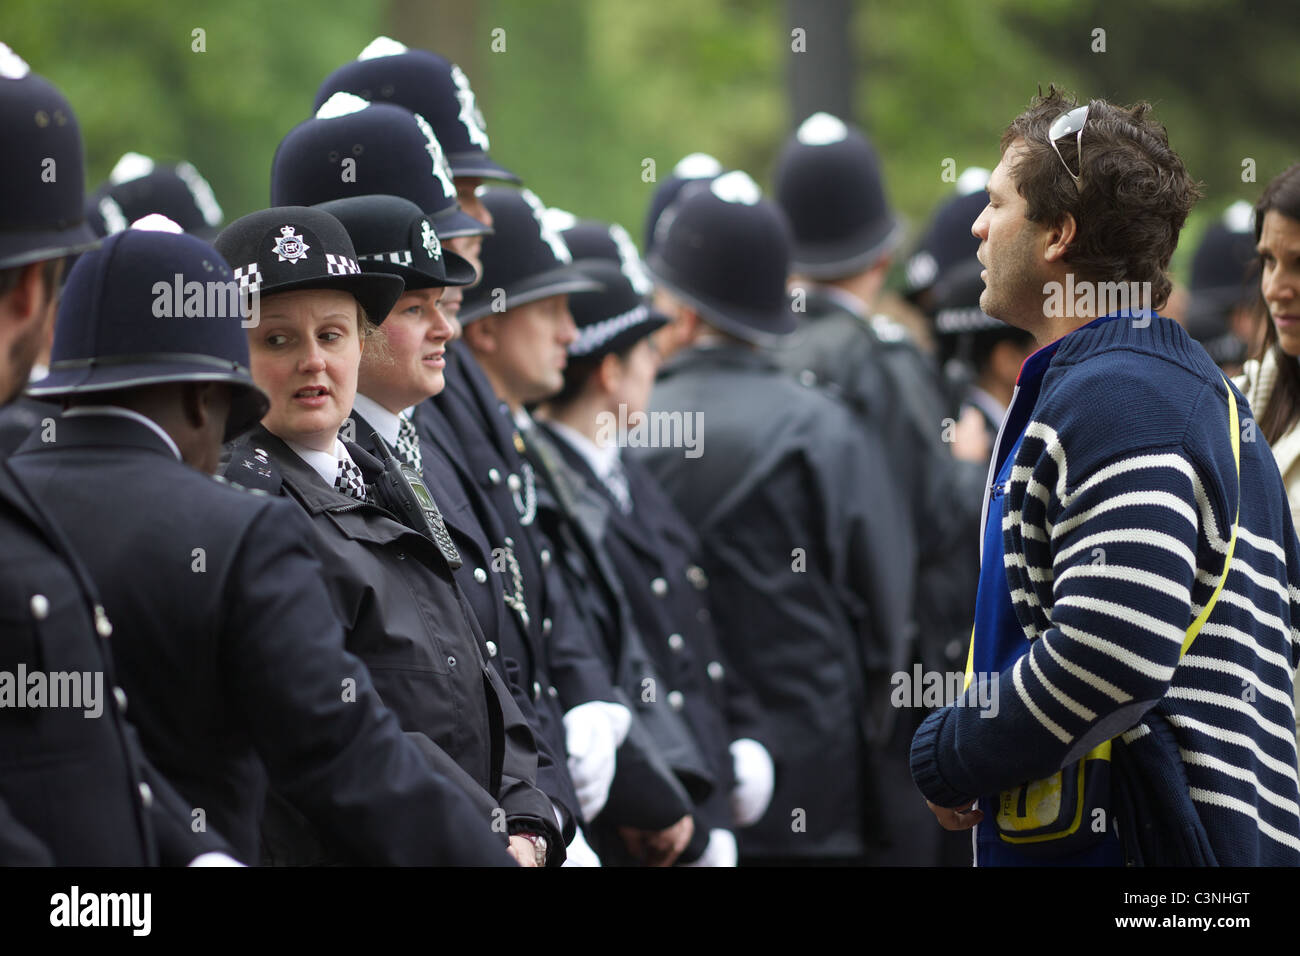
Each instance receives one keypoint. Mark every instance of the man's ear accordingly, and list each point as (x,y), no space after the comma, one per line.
(481,334)
(609,374)
(30,295)
(194,404)
(1060,237)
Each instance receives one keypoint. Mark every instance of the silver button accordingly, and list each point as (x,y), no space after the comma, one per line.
(120,696)
(546,625)
(659,586)
(492,648)
(451,661)
(695,574)
(807,378)
(715,670)
(494,476)
(513,482)
(537,690)
(546,557)
(510,542)
(676,642)
(40,606)
(703,615)
(552,691)
(146,795)
(103,626)
(480,576)
(675,699)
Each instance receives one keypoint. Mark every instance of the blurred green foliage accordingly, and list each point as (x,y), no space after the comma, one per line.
(586,90)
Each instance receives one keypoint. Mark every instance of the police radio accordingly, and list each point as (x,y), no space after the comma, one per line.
(403,491)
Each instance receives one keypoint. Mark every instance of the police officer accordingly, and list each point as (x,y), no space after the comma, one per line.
(388,567)
(607,385)
(392,235)
(517,328)
(138,186)
(1222,313)
(73,791)
(807,555)
(231,657)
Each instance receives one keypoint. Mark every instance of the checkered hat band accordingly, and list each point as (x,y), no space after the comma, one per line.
(249,278)
(597,334)
(402,257)
(340,265)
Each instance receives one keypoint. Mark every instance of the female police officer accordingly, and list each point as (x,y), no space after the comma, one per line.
(391,582)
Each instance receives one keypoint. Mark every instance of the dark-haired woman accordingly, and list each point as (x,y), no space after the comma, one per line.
(1271,383)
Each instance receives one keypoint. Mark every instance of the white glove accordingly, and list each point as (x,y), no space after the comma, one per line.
(720,851)
(579,852)
(754,780)
(214,859)
(593,732)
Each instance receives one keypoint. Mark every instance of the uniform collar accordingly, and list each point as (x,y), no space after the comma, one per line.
(324,463)
(86,411)
(601,460)
(379,418)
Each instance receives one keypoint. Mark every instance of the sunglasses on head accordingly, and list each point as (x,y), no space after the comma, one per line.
(1065,125)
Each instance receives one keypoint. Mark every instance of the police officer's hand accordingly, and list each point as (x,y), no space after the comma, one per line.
(956,818)
(522,850)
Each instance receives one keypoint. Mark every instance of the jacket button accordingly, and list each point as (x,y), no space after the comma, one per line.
(807,378)
(703,615)
(659,586)
(695,574)
(401,555)
(546,625)
(492,648)
(676,642)
(513,482)
(146,795)
(494,476)
(552,691)
(120,696)
(510,542)
(715,670)
(451,662)
(675,699)
(546,557)
(103,626)
(40,605)
(537,690)
(480,576)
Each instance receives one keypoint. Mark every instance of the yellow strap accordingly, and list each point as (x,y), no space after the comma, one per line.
(1195,629)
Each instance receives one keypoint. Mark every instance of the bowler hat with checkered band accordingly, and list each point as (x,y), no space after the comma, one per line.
(352,147)
(393,235)
(428,84)
(42,169)
(288,248)
(128,318)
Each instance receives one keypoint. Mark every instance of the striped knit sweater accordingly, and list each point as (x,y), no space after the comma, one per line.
(1115,530)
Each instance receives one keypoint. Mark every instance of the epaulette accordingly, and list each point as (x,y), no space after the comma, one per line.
(251,469)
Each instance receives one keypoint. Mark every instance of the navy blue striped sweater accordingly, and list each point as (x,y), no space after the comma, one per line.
(1127,455)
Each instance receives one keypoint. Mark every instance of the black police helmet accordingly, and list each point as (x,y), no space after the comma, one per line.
(947,240)
(427,84)
(829,183)
(392,151)
(608,241)
(138,187)
(693,168)
(42,169)
(149,307)
(393,235)
(289,248)
(725,251)
(524,260)
(614,318)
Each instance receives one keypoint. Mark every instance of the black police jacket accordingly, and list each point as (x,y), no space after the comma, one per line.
(872,365)
(810,562)
(405,617)
(481,575)
(651,550)
(75,789)
(232,659)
